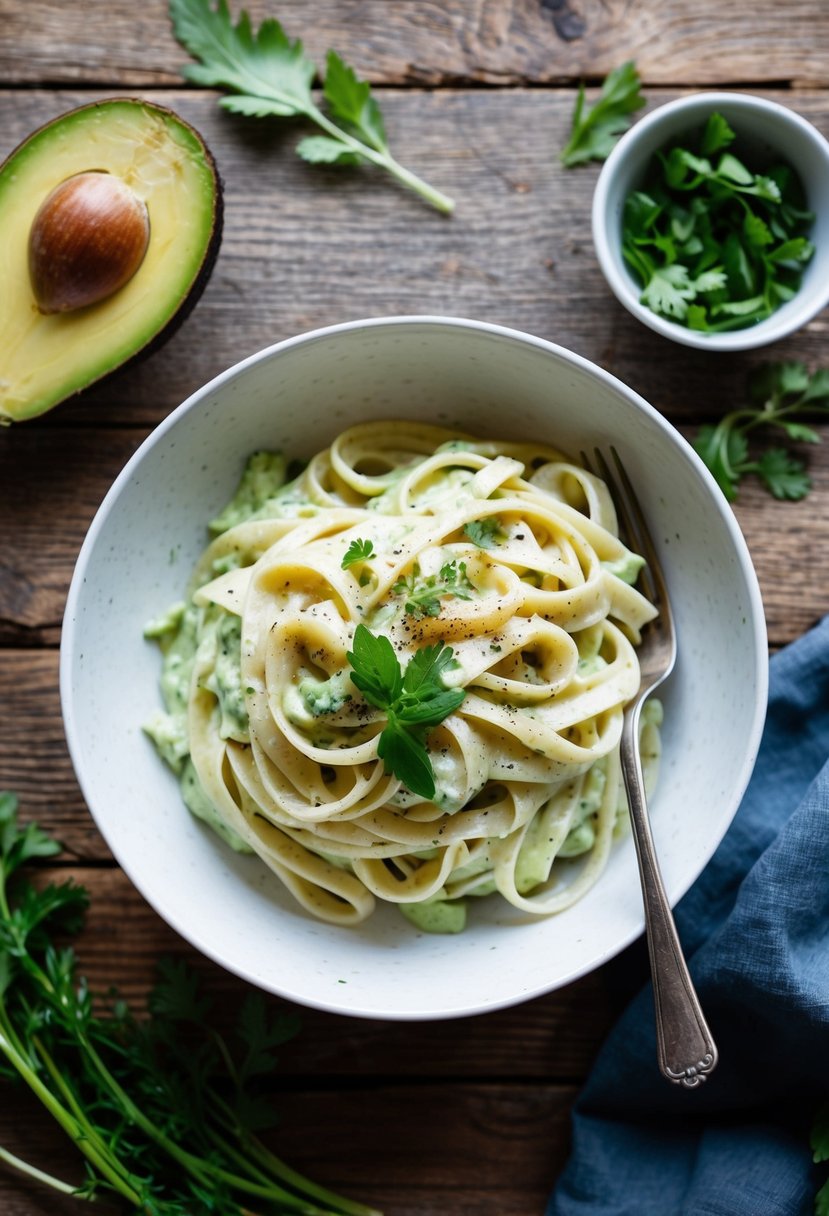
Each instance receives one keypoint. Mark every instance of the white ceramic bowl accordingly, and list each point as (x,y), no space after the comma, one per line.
(768,131)
(136,559)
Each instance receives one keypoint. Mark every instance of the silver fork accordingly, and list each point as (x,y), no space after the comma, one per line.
(685,1048)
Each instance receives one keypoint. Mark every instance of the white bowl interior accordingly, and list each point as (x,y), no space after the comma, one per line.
(137,558)
(766,133)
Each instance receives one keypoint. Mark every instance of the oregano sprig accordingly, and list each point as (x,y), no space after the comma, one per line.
(269,75)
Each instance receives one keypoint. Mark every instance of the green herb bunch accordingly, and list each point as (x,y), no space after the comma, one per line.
(781,396)
(424,592)
(270,77)
(714,245)
(165,1110)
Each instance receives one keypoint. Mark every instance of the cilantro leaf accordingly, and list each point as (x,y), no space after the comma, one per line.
(358,551)
(414,701)
(595,131)
(269,75)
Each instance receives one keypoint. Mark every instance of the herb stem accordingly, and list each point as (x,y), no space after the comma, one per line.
(385,160)
(32,1171)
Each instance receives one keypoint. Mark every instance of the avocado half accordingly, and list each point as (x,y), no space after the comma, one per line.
(45,358)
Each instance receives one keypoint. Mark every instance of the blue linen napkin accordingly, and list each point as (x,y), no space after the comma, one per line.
(755,928)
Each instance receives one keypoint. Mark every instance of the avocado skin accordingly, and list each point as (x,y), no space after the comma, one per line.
(156,340)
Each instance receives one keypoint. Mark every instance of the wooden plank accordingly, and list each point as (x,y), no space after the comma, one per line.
(53,478)
(409,1150)
(409,42)
(553,1037)
(306,246)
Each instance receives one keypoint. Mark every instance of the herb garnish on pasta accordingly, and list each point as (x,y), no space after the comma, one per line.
(400,677)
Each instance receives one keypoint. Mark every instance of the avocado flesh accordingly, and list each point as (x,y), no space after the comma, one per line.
(45,359)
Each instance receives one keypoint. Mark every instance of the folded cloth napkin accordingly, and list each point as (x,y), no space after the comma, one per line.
(755,928)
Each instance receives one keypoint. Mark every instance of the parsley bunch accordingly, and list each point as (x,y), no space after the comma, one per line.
(413,700)
(781,395)
(165,1110)
(270,76)
(715,246)
(594,131)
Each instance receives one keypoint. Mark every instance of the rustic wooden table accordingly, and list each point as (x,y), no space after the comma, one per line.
(467,1116)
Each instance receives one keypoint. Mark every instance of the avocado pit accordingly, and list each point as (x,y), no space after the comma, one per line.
(87,241)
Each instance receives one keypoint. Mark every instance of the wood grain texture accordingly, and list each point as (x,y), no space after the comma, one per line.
(442,41)
(306,246)
(53,478)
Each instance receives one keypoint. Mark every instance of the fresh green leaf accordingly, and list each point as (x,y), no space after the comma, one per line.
(375,669)
(595,131)
(358,551)
(269,75)
(717,135)
(669,291)
(783,475)
(321,150)
(414,701)
(424,593)
(405,755)
(485,533)
(779,392)
(352,104)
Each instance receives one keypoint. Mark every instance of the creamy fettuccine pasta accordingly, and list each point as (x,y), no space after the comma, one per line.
(506,552)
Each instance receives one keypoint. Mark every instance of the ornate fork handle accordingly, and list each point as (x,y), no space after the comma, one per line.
(685,1048)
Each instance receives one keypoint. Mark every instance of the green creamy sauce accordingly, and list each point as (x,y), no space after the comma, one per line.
(312,706)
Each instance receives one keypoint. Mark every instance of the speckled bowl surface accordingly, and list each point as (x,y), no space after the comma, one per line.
(136,559)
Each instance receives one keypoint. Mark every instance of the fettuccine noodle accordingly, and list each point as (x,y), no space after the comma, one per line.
(508,553)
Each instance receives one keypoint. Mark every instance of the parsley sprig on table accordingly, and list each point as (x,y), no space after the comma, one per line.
(781,396)
(424,592)
(595,130)
(270,76)
(714,245)
(165,1110)
(413,700)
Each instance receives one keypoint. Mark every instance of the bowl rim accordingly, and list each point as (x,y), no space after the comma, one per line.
(191,933)
(765,332)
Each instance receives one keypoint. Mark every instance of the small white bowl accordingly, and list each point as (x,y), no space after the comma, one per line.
(136,559)
(770,131)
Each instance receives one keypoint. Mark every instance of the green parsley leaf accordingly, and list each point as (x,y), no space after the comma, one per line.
(780,395)
(717,135)
(269,75)
(375,669)
(414,701)
(424,593)
(594,132)
(357,551)
(783,475)
(485,533)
